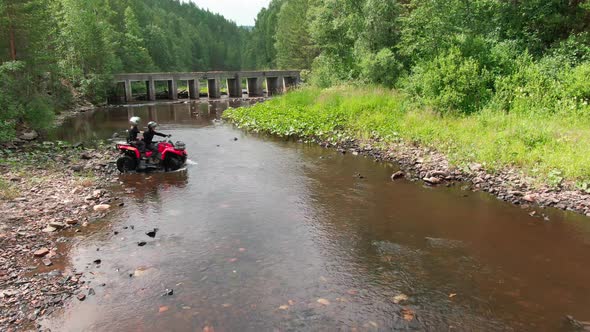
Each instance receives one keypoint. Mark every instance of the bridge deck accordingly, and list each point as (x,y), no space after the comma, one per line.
(277,81)
(185,76)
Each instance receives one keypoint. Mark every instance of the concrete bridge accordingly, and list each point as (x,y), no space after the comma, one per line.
(277,81)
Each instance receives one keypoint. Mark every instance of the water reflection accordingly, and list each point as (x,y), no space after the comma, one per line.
(103,123)
(148,187)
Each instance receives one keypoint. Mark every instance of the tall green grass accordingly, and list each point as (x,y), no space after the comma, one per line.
(546,146)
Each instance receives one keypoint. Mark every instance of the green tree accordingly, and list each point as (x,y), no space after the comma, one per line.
(294,46)
(135,57)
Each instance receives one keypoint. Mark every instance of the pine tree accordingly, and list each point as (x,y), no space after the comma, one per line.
(136,57)
(294,46)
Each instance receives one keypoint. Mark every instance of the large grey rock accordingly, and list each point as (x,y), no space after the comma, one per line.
(29,135)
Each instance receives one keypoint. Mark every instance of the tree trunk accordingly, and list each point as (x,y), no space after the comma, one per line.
(12,44)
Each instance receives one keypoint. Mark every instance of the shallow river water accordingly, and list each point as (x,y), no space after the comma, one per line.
(263,234)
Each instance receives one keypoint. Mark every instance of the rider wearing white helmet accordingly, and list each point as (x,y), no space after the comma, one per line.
(134,130)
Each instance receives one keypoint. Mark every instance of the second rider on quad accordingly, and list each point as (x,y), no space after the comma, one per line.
(133,134)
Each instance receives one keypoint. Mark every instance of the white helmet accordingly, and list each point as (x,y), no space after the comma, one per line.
(135,120)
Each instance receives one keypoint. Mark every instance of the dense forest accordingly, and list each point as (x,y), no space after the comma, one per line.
(454,55)
(48,47)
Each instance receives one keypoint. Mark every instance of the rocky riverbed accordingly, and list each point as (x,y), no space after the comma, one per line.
(433,168)
(48,191)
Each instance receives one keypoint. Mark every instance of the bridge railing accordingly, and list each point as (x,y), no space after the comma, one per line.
(277,81)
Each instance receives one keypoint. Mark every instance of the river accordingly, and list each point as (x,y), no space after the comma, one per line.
(266,234)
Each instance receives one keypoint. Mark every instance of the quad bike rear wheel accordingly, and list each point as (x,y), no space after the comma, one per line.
(126,164)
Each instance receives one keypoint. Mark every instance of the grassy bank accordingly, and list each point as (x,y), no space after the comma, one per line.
(549,148)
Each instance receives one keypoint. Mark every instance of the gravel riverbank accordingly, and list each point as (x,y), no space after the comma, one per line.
(432,167)
(48,191)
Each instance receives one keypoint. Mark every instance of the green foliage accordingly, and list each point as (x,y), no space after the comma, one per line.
(12,107)
(135,56)
(293,41)
(551,148)
(328,71)
(380,26)
(451,82)
(544,87)
(381,67)
(95,87)
(39,112)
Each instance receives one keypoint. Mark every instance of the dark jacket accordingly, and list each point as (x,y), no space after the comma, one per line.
(148,136)
(133,134)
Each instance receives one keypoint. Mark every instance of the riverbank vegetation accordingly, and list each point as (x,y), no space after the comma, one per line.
(550,148)
(499,82)
(55,51)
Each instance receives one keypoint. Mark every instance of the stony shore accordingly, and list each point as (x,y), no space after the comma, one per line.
(432,167)
(48,192)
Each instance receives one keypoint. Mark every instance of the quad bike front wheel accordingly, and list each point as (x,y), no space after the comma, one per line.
(172,163)
(126,164)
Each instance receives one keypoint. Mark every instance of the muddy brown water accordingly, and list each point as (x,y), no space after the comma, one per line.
(265,234)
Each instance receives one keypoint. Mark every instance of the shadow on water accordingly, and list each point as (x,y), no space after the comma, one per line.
(265,234)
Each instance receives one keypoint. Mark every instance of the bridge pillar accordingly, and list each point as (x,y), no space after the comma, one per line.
(234,87)
(128,91)
(255,87)
(275,85)
(214,88)
(172,90)
(193,89)
(151,90)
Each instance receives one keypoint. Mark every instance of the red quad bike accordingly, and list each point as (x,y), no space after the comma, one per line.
(170,157)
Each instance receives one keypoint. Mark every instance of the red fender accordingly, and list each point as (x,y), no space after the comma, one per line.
(130,148)
(172,151)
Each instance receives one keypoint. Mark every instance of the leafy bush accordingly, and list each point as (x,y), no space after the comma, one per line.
(451,82)
(574,50)
(328,71)
(577,83)
(12,80)
(39,113)
(382,67)
(544,87)
(95,87)
(61,95)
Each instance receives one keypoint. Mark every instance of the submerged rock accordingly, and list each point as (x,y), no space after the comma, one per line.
(571,323)
(432,180)
(397,175)
(441,243)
